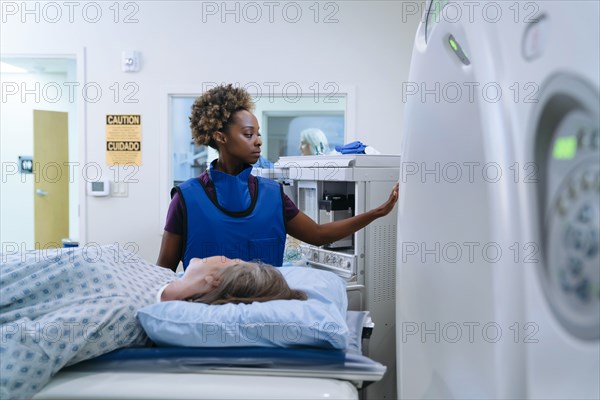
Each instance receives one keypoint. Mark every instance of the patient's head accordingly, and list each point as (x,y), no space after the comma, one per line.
(247,282)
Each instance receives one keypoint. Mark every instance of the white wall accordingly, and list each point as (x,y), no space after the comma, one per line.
(368,48)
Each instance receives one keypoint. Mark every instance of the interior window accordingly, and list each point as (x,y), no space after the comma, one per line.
(284,132)
(281,122)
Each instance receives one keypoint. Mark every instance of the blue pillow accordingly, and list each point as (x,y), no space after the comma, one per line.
(319,321)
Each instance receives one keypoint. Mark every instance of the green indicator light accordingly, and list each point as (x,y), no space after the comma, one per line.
(453,44)
(458,51)
(565,148)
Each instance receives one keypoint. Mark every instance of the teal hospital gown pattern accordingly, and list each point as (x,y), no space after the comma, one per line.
(62,306)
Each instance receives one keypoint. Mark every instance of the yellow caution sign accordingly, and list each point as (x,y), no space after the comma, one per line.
(123,139)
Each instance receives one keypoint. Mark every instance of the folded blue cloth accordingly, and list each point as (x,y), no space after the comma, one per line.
(356,147)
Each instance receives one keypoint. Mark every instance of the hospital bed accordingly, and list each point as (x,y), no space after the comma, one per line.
(223,373)
(78,327)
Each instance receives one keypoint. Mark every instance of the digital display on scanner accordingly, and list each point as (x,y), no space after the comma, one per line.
(565,148)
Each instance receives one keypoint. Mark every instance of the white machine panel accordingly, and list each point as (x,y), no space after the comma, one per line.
(498,268)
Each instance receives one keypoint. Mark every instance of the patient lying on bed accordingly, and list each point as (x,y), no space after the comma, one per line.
(63,306)
(220,280)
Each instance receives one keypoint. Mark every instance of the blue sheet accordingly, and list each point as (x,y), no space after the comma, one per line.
(182,358)
(319,363)
(265,360)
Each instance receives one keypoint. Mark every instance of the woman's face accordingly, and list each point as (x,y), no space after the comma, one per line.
(242,140)
(204,273)
(210,265)
(305,149)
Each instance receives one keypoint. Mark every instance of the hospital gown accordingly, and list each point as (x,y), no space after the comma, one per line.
(62,306)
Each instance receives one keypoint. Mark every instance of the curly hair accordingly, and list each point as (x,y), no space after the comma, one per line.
(213,112)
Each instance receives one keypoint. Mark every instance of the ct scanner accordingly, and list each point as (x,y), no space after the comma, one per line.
(498,272)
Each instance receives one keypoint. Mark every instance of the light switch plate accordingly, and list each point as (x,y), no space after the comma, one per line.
(119,189)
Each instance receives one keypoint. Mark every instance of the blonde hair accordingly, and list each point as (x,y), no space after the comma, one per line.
(247,282)
(316,140)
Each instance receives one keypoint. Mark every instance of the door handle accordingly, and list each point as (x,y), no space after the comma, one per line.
(41,192)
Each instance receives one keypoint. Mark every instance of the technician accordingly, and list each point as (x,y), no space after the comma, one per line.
(226,210)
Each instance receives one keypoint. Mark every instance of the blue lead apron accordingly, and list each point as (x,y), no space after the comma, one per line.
(254,232)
